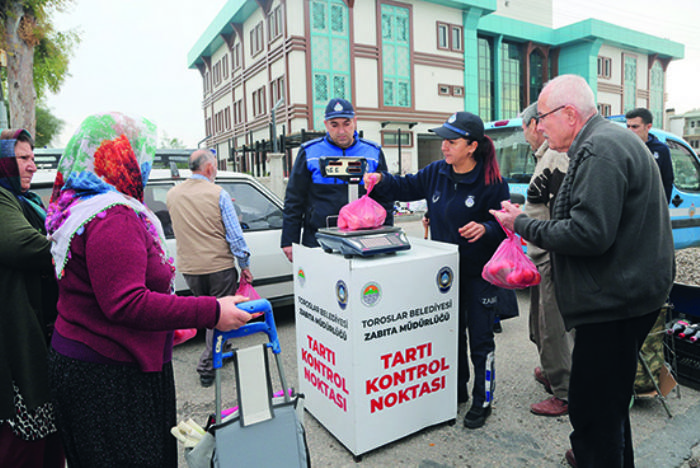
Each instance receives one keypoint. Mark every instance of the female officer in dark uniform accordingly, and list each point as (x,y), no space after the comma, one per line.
(460,190)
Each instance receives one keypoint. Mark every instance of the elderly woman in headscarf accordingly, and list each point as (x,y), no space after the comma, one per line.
(110,360)
(28,435)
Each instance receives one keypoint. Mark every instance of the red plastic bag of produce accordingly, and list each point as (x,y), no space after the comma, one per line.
(246,289)
(509,267)
(363,213)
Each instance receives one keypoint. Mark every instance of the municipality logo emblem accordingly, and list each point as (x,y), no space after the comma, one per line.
(371,294)
(452,118)
(301,277)
(341,294)
(469,202)
(338,107)
(444,279)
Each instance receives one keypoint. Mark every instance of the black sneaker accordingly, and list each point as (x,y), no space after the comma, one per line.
(476,417)
(207,380)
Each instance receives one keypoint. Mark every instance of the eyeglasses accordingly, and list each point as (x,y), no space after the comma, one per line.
(539,117)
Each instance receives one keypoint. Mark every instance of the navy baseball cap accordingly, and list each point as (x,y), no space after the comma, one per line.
(339,108)
(461,125)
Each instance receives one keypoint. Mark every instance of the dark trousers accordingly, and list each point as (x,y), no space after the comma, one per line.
(219,284)
(42,453)
(604,363)
(477,305)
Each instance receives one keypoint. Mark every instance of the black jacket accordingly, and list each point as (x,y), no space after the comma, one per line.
(662,155)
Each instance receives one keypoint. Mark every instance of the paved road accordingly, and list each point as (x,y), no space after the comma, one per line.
(512,436)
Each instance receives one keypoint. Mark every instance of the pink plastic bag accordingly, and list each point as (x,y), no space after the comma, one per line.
(363,213)
(180,336)
(246,289)
(509,267)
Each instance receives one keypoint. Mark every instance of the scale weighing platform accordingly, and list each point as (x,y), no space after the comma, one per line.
(363,242)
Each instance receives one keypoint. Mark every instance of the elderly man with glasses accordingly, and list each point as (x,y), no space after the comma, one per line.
(611,206)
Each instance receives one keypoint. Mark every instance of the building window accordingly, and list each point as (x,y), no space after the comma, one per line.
(443,36)
(537,73)
(604,67)
(605,110)
(330,54)
(207,83)
(256,39)
(217,73)
(259,107)
(276,90)
(656,93)
(511,79)
(457,36)
(396,56)
(390,138)
(449,37)
(238,112)
(224,66)
(208,126)
(458,91)
(485,47)
(629,90)
(236,56)
(274,24)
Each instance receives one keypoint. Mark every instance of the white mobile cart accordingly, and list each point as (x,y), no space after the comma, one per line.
(377,341)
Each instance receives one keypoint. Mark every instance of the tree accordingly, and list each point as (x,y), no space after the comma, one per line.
(47,126)
(37,56)
(167,142)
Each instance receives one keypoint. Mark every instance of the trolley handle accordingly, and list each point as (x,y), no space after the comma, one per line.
(268,327)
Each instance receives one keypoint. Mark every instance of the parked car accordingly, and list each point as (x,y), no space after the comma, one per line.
(517,164)
(259,212)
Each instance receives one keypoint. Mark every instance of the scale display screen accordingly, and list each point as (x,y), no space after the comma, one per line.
(346,168)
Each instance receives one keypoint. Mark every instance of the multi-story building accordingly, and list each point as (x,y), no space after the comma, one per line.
(407,65)
(687,125)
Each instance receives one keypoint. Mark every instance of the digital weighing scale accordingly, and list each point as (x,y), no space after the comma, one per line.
(361,242)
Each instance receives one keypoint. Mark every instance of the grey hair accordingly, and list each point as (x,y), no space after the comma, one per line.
(573,90)
(529,113)
(199,159)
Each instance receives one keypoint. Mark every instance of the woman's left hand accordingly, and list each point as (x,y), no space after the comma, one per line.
(472,231)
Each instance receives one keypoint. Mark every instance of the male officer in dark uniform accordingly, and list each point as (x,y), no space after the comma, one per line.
(310,196)
(639,120)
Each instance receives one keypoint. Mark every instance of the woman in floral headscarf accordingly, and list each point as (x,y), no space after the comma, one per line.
(110,363)
(28,434)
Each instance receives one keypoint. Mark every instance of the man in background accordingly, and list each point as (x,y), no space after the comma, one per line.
(546,326)
(209,240)
(639,120)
